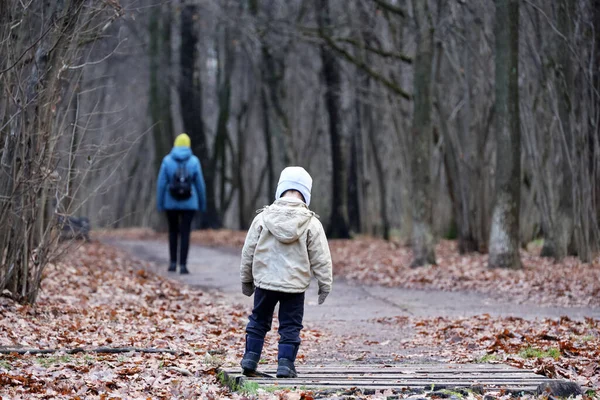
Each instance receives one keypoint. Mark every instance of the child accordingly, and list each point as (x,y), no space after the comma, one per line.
(284,247)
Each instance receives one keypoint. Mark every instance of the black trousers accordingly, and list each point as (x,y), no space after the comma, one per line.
(180,225)
(291,313)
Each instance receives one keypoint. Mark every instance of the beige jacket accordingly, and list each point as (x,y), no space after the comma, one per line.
(285,246)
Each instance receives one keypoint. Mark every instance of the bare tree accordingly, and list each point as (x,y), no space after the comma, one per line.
(504,234)
(260,84)
(41,47)
(338,226)
(160,79)
(422,138)
(560,234)
(190,98)
(465,124)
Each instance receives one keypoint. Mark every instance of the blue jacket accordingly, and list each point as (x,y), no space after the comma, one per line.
(164,200)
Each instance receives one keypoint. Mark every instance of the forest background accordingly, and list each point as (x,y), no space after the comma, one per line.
(418,120)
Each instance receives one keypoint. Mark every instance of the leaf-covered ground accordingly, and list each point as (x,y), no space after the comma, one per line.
(541,281)
(561,349)
(99,297)
(375,261)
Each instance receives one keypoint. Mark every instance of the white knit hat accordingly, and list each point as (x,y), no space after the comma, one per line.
(295,178)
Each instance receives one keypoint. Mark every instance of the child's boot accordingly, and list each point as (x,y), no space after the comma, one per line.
(252,355)
(285,360)
(172,267)
(183,269)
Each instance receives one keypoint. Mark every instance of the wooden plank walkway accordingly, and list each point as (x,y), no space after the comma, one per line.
(399,377)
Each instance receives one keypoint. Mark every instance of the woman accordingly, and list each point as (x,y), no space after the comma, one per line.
(180,192)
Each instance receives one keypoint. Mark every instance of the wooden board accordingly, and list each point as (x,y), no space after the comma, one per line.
(398,377)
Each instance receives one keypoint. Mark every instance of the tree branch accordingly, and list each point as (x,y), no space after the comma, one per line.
(391,8)
(379,52)
(106,350)
(26,51)
(65,66)
(390,84)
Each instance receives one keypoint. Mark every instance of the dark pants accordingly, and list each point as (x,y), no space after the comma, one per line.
(291,312)
(180,224)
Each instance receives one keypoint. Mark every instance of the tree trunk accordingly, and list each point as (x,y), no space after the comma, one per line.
(159,90)
(469,183)
(271,178)
(381,181)
(594,128)
(338,224)
(265,115)
(504,233)
(461,183)
(369,126)
(273,72)
(190,97)
(423,240)
(556,242)
(239,165)
(354,179)
(222,140)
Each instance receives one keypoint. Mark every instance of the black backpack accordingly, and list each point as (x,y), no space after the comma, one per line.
(181,185)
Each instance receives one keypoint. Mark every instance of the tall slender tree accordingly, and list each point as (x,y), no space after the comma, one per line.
(338,224)
(557,241)
(265,118)
(422,139)
(504,233)
(159,91)
(190,97)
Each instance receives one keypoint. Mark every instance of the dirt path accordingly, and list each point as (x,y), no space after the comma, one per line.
(351,310)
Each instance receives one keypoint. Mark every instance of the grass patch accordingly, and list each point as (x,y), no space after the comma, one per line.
(221,378)
(487,358)
(252,388)
(49,361)
(249,387)
(275,388)
(241,384)
(452,393)
(232,383)
(5,364)
(89,359)
(554,352)
(225,380)
(538,242)
(532,352)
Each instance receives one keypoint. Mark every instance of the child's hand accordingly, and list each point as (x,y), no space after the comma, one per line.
(248,288)
(323,293)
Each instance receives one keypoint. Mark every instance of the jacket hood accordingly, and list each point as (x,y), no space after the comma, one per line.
(181,153)
(287,219)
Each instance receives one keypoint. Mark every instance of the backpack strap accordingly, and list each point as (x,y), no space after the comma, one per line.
(183,164)
(179,163)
